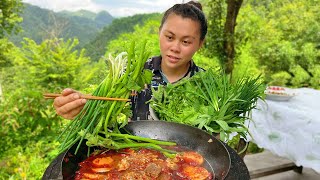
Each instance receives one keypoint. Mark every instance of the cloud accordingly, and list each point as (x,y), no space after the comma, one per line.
(117,8)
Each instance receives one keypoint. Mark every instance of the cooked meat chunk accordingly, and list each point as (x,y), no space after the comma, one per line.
(140,161)
(164,176)
(172,163)
(153,170)
(124,164)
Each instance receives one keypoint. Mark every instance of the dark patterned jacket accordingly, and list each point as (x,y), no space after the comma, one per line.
(140,108)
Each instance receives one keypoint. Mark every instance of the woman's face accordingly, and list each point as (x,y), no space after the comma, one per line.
(179,40)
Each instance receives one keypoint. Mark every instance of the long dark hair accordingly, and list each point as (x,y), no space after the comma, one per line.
(191,10)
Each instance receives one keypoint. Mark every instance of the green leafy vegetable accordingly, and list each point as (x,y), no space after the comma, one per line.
(100,121)
(209,101)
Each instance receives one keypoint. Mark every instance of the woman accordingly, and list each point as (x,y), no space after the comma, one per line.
(181,34)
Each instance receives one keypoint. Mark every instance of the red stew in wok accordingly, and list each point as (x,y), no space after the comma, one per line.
(143,164)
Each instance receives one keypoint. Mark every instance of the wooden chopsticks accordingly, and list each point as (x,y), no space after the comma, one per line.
(53,95)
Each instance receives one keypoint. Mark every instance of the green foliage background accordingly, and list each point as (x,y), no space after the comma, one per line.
(278,39)
(284,40)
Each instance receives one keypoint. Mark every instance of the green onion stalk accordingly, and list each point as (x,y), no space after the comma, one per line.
(100,122)
(209,101)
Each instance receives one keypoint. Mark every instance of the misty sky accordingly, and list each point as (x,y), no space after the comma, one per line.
(117,8)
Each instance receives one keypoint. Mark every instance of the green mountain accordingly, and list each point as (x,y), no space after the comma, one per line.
(80,13)
(97,47)
(94,30)
(102,18)
(40,24)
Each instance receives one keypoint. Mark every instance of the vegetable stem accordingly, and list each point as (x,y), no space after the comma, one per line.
(99,122)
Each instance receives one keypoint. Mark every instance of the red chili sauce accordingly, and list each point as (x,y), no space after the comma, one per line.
(143,164)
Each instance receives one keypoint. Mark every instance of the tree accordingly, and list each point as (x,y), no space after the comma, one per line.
(148,31)
(55,28)
(9,16)
(215,10)
(229,30)
(284,39)
(5,47)
(29,124)
(222,22)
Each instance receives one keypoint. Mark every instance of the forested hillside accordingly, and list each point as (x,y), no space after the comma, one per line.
(282,38)
(93,30)
(97,47)
(40,24)
(101,18)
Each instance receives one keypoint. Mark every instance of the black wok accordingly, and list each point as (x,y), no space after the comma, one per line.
(215,153)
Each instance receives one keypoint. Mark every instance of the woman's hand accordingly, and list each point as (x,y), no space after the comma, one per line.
(69,104)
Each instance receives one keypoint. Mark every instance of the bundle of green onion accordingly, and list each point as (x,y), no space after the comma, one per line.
(100,121)
(209,101)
